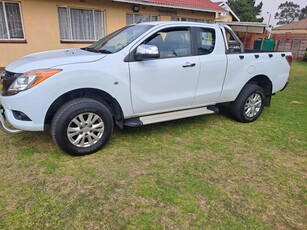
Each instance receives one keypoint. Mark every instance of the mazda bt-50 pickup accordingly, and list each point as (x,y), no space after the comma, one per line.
(141,74)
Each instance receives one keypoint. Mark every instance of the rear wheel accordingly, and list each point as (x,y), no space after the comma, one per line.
(249,104)
(82,126)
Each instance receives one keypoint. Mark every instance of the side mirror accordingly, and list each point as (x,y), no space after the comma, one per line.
(146,52)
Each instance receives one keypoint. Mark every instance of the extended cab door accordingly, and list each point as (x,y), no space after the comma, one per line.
(213,65)
(169,82)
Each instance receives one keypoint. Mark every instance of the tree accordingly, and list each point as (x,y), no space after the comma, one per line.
(303,14)
(246,10)
(287,13)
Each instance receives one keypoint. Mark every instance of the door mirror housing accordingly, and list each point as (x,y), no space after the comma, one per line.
(146,52)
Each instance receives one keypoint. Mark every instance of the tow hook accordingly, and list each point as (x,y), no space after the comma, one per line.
(4,126)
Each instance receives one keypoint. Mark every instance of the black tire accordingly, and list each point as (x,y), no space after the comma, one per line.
(249,104)
(82,126)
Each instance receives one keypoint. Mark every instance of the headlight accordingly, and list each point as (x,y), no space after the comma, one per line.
(31,79)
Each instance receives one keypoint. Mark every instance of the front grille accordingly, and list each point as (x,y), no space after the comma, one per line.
(7,78)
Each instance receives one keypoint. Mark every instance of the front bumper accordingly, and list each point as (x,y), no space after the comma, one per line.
(34,103)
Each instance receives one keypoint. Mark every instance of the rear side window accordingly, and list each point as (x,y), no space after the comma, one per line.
(206,41)
(233,45)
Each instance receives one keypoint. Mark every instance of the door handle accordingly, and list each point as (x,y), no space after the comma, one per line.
(188,64)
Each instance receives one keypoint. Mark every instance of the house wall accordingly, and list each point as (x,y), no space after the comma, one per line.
(297,31)
(41,25)
(227,18)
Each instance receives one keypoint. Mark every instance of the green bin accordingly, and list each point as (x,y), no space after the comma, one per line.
(257,44)
(268,45)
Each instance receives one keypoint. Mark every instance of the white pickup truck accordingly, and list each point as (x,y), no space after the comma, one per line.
(141,74)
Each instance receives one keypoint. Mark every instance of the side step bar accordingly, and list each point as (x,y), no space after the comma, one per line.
(161,117)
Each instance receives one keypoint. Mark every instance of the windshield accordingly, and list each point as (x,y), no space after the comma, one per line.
(118,40)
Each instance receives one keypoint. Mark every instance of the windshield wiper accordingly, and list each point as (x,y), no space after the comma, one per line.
(105,51)
(90,49)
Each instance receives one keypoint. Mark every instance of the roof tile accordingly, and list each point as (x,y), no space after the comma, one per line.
(195,4)
(302,24)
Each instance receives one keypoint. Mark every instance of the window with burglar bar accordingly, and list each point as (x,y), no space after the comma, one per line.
(11,27)
(80,24)
(135,18)
(190,20)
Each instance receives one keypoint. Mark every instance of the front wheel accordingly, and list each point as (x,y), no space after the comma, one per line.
(82,126)
(249,104)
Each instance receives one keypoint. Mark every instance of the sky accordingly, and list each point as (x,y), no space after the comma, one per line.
(271,6)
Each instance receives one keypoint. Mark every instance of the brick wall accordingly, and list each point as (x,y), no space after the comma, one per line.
(296,43)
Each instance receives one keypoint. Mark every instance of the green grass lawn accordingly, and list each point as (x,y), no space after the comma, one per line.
(207,172)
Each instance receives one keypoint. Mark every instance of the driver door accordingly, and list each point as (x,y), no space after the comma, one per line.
(169,82)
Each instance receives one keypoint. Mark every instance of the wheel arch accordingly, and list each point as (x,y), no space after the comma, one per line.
(103,97)
(264,82)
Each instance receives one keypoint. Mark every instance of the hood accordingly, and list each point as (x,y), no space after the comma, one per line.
(54,58)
